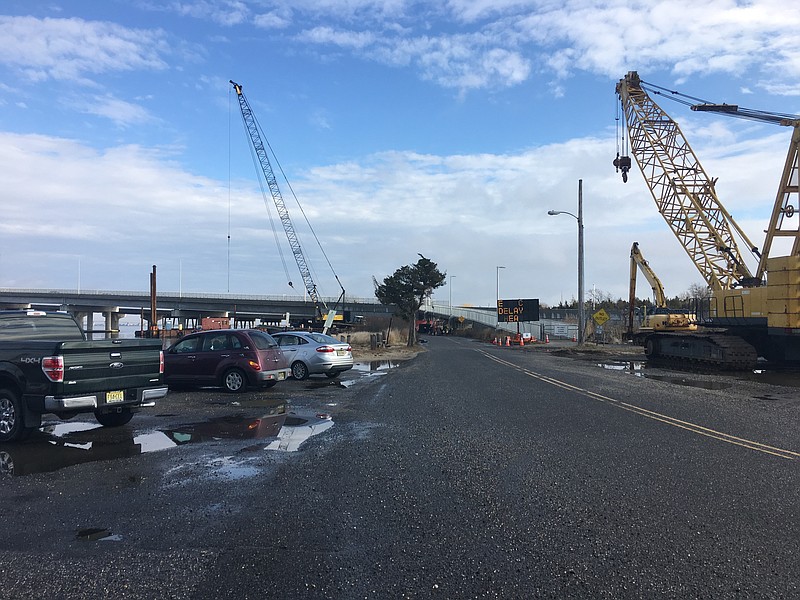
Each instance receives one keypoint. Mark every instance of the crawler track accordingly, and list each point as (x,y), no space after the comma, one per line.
(698,350)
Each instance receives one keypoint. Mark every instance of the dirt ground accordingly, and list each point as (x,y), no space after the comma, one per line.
(388,353)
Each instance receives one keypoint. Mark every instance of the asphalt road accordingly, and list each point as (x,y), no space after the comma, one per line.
(469,472)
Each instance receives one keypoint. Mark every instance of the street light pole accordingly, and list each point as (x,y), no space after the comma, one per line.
(579,219)
(451,295)
(581,306)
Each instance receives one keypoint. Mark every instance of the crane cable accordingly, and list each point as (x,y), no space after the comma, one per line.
(732,110)
(299,206)
(275,235)
(622,139)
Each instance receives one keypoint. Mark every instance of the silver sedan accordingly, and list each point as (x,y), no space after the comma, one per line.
(311,353)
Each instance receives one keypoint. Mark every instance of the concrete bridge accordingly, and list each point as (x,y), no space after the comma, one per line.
(180,310)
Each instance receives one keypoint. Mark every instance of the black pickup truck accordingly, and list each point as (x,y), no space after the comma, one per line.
(48,366)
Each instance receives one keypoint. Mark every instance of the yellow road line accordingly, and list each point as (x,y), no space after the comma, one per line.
(655,416)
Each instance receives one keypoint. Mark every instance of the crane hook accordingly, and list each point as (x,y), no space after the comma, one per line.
(623,163)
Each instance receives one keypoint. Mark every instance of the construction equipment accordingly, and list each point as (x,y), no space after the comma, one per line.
(257,140)
(752,312)
(661,318)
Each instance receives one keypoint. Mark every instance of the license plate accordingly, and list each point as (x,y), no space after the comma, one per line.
(341,352)
(117,396)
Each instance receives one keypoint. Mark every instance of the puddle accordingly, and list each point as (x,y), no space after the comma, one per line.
(235,427)
(636,367)
(705,385)
(60,445)
(784,378)
(375,366)
(97,534)
(781,378)
(299,428)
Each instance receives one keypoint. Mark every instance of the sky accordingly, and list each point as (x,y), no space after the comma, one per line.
(446,129)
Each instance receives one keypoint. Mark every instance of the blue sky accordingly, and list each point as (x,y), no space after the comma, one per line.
(447,129)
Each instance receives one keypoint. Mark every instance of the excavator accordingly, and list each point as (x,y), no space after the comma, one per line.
(661,318)
(752,313)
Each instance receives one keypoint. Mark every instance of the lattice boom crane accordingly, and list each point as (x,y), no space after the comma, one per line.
(254,132)
(750,313)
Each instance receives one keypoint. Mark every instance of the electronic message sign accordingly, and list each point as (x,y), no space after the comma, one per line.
(517,311)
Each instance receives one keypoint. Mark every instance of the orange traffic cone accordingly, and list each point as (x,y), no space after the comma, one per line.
(494,342)
(521,341)
(546,338)
(508,341)
(574,339)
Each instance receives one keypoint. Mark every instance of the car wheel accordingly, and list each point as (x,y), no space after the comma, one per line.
(299,370)
(333,374)
(233,381)
(114,419)
(11,425)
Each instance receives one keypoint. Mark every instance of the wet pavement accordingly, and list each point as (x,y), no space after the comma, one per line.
(277,420)
(464,473)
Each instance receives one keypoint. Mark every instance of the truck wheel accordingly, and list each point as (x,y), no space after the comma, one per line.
(11,424)
(233,381)
(114,419)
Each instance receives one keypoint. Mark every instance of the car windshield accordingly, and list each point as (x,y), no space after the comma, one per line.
(263,341)
(321,338)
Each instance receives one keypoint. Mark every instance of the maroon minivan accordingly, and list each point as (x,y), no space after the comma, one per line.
(231,358)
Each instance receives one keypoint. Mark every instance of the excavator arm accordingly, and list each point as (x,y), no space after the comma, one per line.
(639,263)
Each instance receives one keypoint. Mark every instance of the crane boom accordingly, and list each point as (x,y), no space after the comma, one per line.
(683,192)
(258,146)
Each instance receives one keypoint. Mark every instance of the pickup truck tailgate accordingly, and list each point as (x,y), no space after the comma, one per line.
(109,365)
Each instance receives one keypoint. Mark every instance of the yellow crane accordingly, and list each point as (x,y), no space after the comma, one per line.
(752,312)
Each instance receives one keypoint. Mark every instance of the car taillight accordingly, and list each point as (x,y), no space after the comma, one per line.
(254,365)
(53,367)
(161,362)
(326,349)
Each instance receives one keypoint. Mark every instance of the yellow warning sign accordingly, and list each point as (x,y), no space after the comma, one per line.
(600,317)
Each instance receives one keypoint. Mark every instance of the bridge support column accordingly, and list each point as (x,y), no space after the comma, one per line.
(112,323)
(89,325)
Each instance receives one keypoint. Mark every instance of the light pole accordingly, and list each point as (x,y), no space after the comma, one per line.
(579,219)
(451,294)
(497,295)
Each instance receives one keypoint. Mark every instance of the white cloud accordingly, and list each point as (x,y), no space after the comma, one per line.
(491,44)
(222,12)
(122,113)
(75,50)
